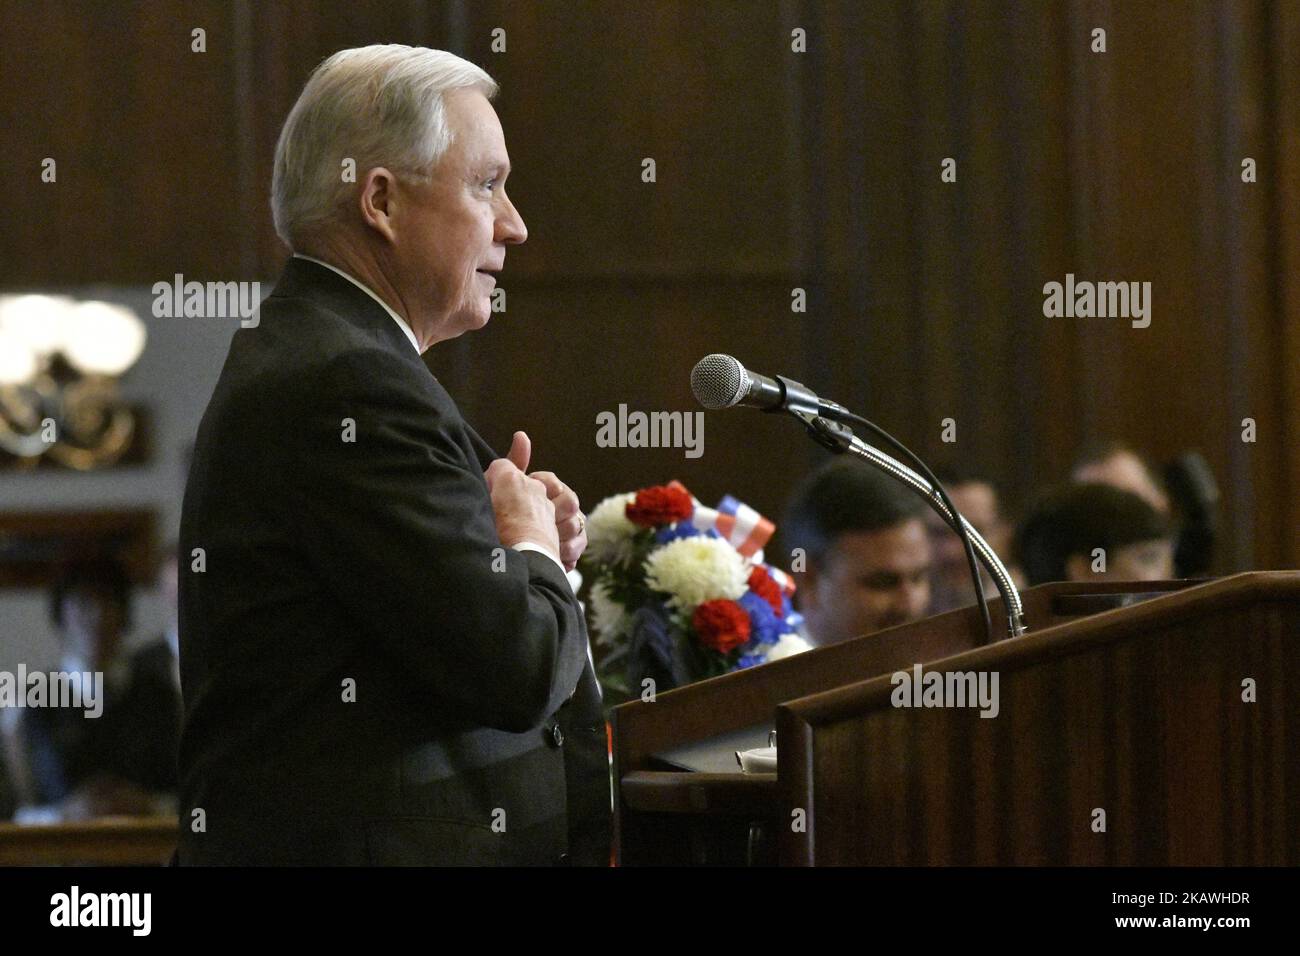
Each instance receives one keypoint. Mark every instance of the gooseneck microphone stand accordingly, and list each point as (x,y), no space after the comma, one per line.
(840,439)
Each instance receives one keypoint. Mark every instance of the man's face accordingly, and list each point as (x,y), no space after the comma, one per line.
(457,224)
(978,504)
(868,580)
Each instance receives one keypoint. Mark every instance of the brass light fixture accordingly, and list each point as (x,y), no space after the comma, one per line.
(60,360)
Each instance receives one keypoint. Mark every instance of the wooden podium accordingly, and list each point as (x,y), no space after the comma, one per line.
(1153,724)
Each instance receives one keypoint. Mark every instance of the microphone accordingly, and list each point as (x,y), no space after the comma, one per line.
(720,381)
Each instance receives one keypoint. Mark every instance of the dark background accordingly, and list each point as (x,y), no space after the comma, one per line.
(775,170)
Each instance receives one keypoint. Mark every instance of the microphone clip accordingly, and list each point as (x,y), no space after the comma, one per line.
(833,436)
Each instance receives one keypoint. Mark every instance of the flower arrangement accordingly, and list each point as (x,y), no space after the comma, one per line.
(680,592)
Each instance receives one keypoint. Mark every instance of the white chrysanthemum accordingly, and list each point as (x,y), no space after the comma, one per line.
(694,570)
(609,533)
(610,619)
(787,646)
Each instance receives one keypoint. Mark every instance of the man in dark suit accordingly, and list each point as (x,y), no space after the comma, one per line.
(383,660)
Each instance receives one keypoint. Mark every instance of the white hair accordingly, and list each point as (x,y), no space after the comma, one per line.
(376,105)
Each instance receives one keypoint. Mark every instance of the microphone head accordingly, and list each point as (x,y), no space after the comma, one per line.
(718,381)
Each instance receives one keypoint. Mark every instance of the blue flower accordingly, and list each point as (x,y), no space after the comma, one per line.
(682,529)
(764,625)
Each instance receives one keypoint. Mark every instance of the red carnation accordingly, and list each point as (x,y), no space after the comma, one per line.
(721,625)
(761,583)
(660,505)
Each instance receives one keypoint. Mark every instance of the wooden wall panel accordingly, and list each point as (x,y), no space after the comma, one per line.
(1116,166)
(775,170)
(560,356)
(144,135)
(1279,517)
(591,89)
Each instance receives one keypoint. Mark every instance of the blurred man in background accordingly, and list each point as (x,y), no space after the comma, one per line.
(122,762)
(866,551)
(1085,532)
(980,504)
(1119,466)
(1186,493)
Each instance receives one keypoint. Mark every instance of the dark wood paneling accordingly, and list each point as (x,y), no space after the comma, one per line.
(120,841)
(144,133)
(1155,734)
(590,89)
(775,169)
(35,547)
(1277,519)
(562,353)
(1136,710)
(1116,166)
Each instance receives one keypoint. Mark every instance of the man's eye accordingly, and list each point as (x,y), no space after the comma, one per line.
(488,184)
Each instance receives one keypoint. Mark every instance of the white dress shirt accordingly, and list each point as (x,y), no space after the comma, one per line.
(522,545)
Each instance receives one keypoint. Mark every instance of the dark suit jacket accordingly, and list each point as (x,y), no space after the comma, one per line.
(369,676)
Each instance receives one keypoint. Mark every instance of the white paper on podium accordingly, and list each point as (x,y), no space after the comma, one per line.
(760,760)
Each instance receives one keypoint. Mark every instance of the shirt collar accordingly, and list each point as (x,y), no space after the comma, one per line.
(368,291)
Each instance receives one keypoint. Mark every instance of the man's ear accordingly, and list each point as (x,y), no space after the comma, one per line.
(377,201)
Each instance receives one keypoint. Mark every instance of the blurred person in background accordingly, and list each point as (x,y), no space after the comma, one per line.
(867,555)
(1117,465)
(122,762)
(1086,532)
(980,504)
(163,655)
(1185,491)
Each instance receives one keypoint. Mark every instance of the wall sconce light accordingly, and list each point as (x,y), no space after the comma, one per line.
(60,360)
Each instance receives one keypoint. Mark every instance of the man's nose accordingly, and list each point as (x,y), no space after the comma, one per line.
(510,227)
(903,602)
(916,599)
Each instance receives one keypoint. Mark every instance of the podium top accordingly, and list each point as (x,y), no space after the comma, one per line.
(698,727)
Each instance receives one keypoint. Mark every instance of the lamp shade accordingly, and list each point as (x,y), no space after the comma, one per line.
(18,363)
(102,338)
(39,321)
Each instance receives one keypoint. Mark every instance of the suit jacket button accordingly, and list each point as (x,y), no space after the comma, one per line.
(563,859)
(556,736)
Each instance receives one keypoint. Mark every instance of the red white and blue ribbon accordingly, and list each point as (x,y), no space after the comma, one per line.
(743,528)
